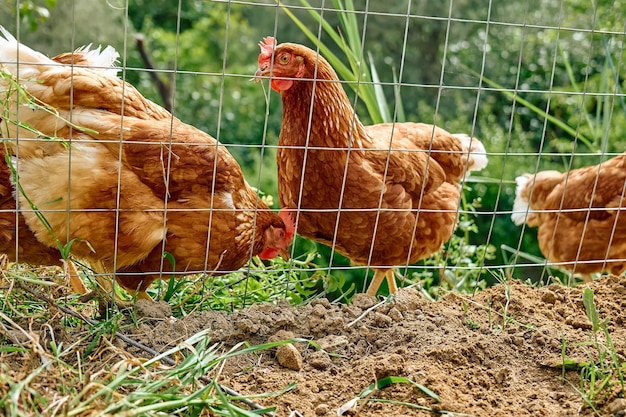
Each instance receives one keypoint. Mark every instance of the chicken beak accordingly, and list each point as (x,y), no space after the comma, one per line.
(260,73)
(285,254)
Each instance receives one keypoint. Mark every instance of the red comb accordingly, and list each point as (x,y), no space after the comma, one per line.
(288,219)
(267,46)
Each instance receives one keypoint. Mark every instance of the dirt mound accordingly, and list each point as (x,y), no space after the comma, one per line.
(494,354)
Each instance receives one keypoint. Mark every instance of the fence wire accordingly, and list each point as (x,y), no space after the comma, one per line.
(540,84)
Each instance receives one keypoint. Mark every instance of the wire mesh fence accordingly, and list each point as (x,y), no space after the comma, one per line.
(540,84)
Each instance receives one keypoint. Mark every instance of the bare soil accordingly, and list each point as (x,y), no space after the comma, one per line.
(493,354)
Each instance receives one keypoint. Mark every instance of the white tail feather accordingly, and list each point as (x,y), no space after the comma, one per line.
(12,52)
(521,206)
(477,152)
(104,59)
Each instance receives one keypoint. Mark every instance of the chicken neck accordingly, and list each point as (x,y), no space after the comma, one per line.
(332,121)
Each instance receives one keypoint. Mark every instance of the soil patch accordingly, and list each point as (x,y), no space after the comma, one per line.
(493,354)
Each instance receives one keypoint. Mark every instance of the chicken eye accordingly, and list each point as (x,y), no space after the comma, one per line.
(283,59)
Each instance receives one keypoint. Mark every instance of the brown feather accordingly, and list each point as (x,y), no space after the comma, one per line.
(579,217)
(397,185)
(135,181)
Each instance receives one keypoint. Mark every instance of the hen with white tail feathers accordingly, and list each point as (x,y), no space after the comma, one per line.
(382,195)
(120,177)
(580,215)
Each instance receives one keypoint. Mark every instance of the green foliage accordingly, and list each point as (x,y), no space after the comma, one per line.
(483,71)
(258,282)
(365,396)
(604,367)
(31,13)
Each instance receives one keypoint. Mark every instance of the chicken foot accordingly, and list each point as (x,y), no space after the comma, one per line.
(105,291)
(378,279)
(71,275)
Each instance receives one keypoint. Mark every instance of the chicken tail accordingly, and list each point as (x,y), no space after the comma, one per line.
(521,205)
(477,159)
(101,59)
(12,52)
(27,64)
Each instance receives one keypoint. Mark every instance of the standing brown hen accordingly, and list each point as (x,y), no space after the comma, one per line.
(382,195)
(129,182)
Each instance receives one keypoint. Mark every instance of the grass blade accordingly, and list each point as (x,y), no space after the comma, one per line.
(590,308)
(557,122)
(341,69)
(378,90)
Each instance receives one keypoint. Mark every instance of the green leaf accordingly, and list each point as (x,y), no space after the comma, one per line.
(390,380)
(590,308)
(383,108)
(400,115)
(512,95)
(171,283)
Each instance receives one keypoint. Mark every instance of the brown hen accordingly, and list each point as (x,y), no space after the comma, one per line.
(129,182)
(382,195)
(578,214)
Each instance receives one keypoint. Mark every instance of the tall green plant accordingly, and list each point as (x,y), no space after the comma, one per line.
(363,79)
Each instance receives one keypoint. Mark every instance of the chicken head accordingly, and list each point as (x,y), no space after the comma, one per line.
(286,66)
(277,239)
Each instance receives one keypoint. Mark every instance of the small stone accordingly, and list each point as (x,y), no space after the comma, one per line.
(321,301)
(408,299)
(322,409)
(332,343)
(617,405)
(578,322)
(319,310)
(289,357)
(364,331)
(319,360)
(395,314)
(382,320)
(548,297)
(363,301)
(391,365)
(502,376)
(517,340)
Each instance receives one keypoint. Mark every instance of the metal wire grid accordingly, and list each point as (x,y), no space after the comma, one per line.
(497,213)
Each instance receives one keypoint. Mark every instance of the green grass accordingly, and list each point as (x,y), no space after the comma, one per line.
(258,282)
(601,372)
(97,373)
(605,368)
(367,395)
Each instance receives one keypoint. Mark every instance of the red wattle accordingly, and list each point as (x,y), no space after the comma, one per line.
(281,85)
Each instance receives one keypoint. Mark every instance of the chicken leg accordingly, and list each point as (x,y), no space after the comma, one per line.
(105,291)
(71,275)
(379,274)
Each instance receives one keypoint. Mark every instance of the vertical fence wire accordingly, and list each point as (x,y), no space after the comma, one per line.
(550,107)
